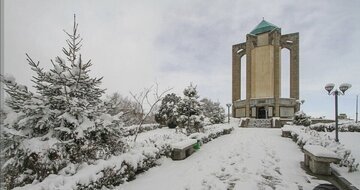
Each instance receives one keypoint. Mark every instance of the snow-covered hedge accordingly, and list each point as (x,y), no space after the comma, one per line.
(118,169)
(328,127)
(303,135)
(212,132)
(131,130)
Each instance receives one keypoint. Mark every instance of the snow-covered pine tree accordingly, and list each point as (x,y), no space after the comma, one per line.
(189,114)
(166,114)
(300,118)
(61,126)
(212,111)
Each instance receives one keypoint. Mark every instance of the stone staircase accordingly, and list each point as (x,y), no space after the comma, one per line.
(259,123)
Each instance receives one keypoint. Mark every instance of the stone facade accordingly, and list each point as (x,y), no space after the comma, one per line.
(263,74)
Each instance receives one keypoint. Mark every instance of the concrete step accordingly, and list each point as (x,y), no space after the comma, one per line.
(259,123)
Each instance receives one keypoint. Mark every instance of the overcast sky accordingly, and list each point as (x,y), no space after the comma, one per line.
(133,44)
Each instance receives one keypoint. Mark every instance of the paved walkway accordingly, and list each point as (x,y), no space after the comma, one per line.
(249,158)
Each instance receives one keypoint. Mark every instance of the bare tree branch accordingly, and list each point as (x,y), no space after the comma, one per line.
(144,96)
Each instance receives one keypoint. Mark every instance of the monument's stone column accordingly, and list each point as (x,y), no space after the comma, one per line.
(275,41)
(238,51)
(294,67)
(251,42)
(236,74)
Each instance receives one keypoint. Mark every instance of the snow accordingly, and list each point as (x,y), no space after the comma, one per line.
(349,142)
(69,118)
(9,78)
(85,174)
(85,125)
(288,128)
(107,119)
(58,68)
(60,60)
(184,144)
(12,117)
(148,145)
(12,131)
(245,159)
(320,151)
(248,158)
(38,145)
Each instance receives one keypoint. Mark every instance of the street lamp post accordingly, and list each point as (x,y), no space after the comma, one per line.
(343,87)
(357,107)
(228,106)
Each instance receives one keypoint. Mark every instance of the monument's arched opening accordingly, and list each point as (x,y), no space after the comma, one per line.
(285,73)
(243,78)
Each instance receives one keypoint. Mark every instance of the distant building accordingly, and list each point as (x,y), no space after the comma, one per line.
(263,73)
(342,116)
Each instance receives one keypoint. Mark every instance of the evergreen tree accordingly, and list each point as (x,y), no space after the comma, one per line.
(62,124)
(213,111)
(300,118)
(189,114)
(167,111)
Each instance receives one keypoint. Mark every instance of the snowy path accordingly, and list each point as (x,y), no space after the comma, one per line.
(246,159)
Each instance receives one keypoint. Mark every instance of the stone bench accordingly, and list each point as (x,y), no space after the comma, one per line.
(183,149)
(318,159)
(285,132)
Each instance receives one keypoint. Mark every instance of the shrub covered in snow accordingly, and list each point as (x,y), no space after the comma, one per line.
(304,135)
(213,111)
(189,114)
(343,127)
(62,124)
(212,132)
(119,169)
(132,130)
(300,118)
(166,114)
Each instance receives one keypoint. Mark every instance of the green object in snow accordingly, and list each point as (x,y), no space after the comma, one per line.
(197,145)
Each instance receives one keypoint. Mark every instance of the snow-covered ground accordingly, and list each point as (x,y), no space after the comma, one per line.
(347,148)
(248,158)
(351,141)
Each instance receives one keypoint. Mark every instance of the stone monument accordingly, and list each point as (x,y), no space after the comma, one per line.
(263,74)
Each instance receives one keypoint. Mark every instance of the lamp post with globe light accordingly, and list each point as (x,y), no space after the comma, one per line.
(329,88)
